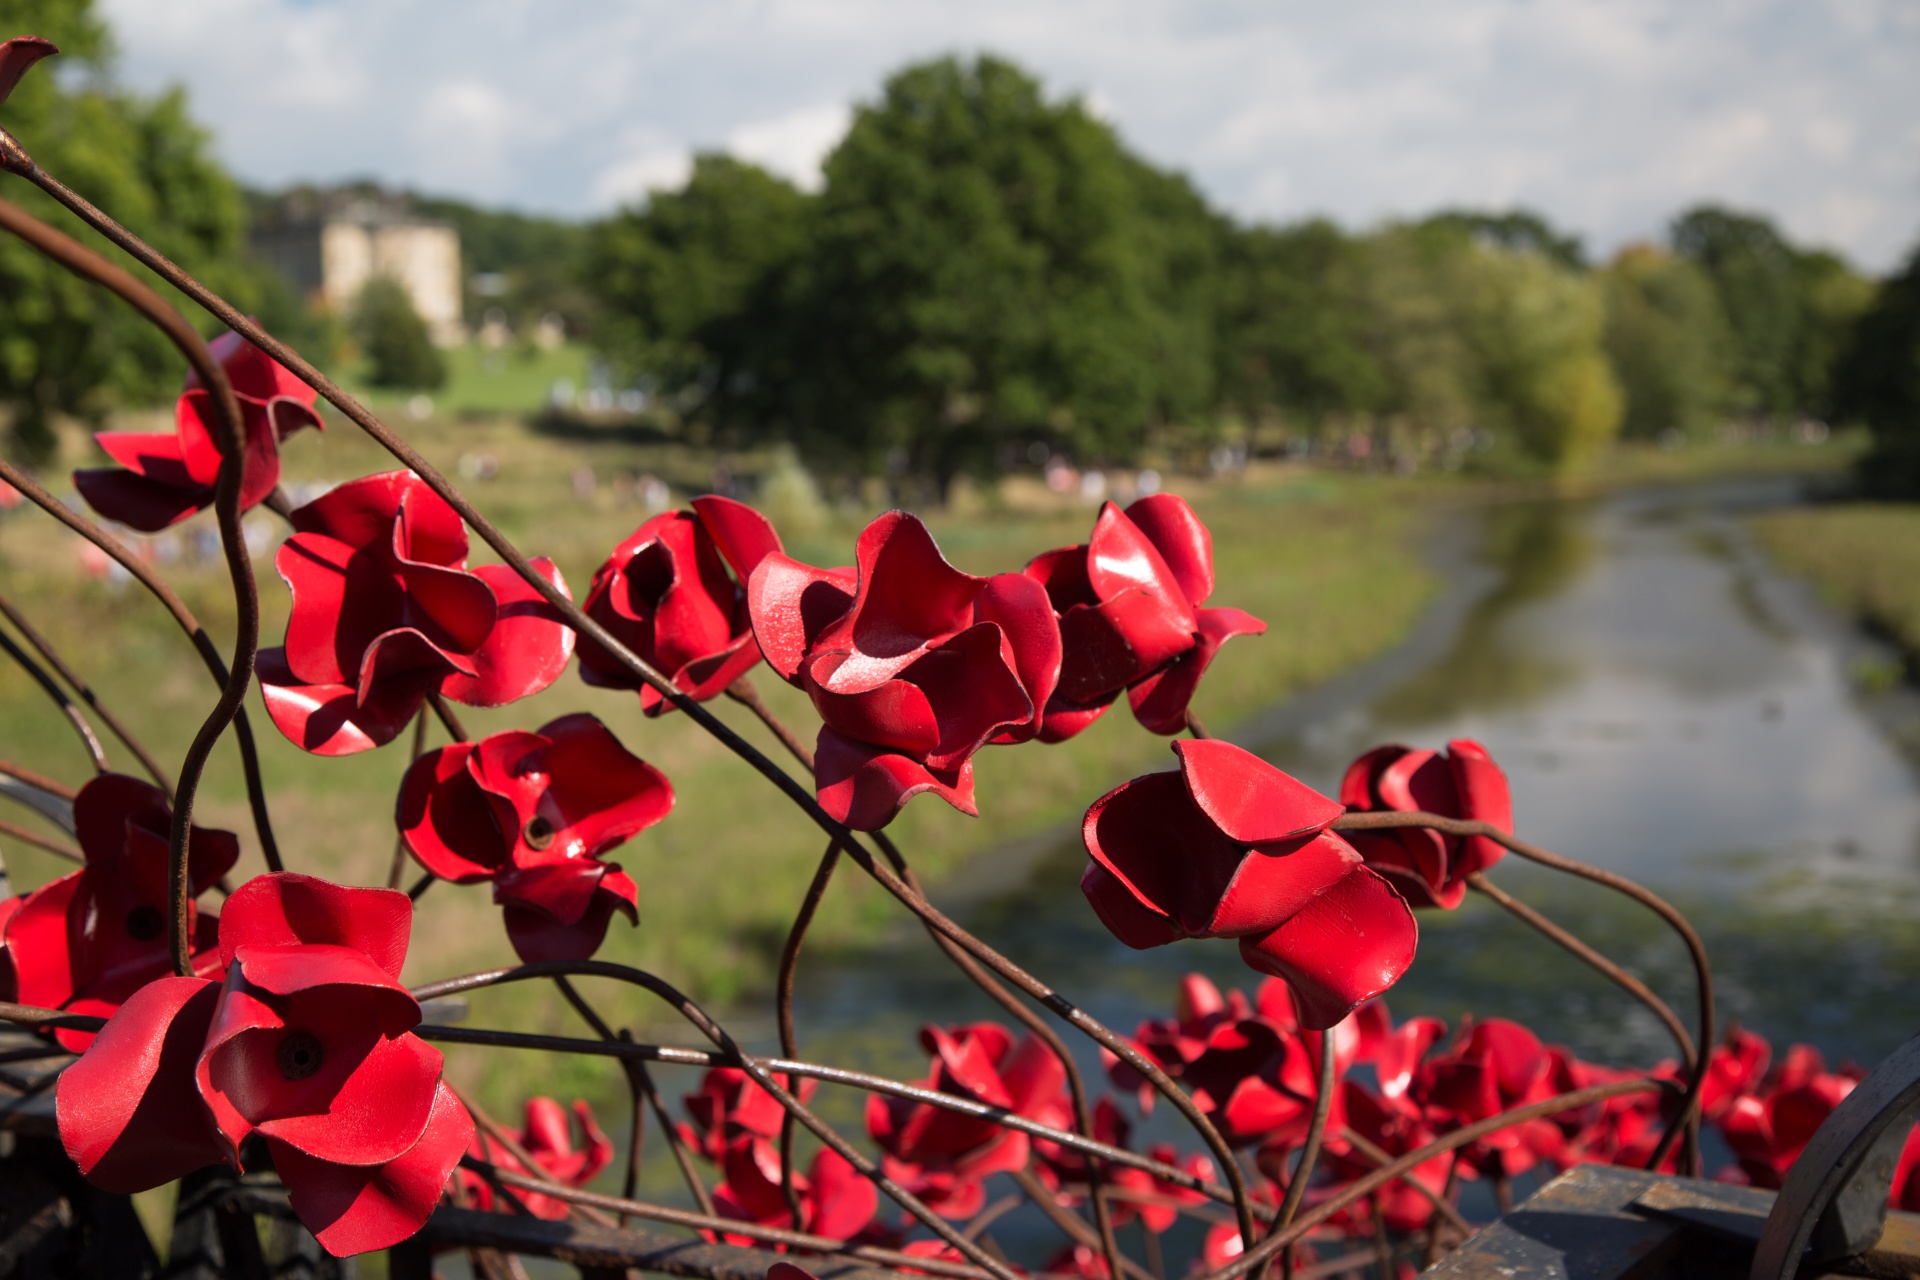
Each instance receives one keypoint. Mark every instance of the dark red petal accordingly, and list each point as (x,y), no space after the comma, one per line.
(598,794)
(1270,888)
(791,604)
(445,820)
(1121,559)
(284,908)
(1149,836)
(865,787)
(1160,701)
(1182,541)
(896,714)
(538,936)
(1137,923)
(528,647)
(16,55)
(323,573)
(137,502)
(842,1203)
(1063,719)
(360,513)
(561,890)
(353,1209)
(1063,572)
(40,946)
(743,535)
(1357,789)
(454,609)
(1018,606)
(377,1113)
(1112,644)
(1484,795)
(428,530)
(193,418)
(909,598)
(1344,948)
(129,1115)
(1248,799)
(331,719)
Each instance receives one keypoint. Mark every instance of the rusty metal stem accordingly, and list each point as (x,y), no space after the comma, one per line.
(1310,1148)
(698,1017)
(783,1007)
(1367,1184)
(398,867)
(1686,1120)
(743,692)
(233,680)
(640,1086)
(51,687)
(1619,976)
(441,709)
(86,694)
(38,841)
(1069,1222)
(1444,1207)
(229,437)
(38,781)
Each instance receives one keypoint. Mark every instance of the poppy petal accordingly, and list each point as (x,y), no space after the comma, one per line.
(284,908)
(865,786)
(1341,950)
(528,647)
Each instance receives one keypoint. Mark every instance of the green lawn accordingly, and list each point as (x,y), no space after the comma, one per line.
(1865,558)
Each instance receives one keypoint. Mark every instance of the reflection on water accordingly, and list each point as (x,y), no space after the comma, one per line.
(1665,706)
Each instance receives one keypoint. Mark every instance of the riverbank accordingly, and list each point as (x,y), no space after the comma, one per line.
(1865,560)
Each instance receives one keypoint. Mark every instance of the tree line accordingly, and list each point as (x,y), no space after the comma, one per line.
(987,275)
(985,269)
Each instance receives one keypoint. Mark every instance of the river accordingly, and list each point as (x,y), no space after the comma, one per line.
(1665,704)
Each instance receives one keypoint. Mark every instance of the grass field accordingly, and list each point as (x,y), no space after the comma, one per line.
(1864,557)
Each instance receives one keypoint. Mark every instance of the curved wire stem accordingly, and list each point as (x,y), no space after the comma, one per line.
(83,260)
(707,1027)
(743,692)
(1310,1148)
(51,687)
(38,841)
(1364,1186)
(1574,945)
(783,1007)
(85,693)
(230,439)
(1686,1120)
(398,867)
(641,1087)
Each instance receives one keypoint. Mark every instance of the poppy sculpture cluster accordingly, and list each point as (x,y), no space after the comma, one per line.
(277,1036)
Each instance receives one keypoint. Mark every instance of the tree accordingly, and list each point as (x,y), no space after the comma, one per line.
(1878,382)
(394,338)
(66,347)
(1293,322)
(1668,342)
(1520,230)
(690,283)
(990,268)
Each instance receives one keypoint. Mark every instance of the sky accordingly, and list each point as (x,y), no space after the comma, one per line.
(1607,115)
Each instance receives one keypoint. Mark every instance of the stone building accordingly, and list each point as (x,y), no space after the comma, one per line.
(329,244)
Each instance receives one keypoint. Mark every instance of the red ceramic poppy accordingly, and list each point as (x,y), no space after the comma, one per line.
(1396,1130)
(1231,847)
(548,1138)
(675,594)
(533,813)
(162,479)
(90,939)
(1768,1128)
(1496,1066)
(912,665)
(1429,868)
(944,1157)
(307,1044)
(730,1106)
(385,611)
(1736,1066)
(16,55)
(836,1200)
(1129,601)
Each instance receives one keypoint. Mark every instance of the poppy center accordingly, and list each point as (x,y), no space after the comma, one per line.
(300,1055)
(539,832)
(145,923)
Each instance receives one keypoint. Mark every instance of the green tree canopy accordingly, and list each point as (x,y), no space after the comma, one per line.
(395,339)
(65,346)
(1668,342)
(1878,382)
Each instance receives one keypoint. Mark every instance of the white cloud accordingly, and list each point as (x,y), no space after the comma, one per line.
(1608,115)
(793,145)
